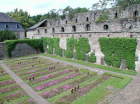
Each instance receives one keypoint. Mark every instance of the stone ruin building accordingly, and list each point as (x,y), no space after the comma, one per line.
(121,23)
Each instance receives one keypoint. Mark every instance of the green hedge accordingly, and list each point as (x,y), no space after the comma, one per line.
(11,44)
(82,47)
(92,58)
(116,49)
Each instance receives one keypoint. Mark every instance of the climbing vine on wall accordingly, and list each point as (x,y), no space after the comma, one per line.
(82,47)
(52,43)
(11,44)
(116,49)
(70,46)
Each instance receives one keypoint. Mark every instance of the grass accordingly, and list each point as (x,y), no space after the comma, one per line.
(93,97)
(127,72)
(97,94)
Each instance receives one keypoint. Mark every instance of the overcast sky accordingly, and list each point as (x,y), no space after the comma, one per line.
(34,7)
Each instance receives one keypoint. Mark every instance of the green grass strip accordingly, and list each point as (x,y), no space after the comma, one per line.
(127,72)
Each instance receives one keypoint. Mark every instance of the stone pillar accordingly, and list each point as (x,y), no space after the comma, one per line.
(136,58)
(54,51)
(94,51)
(123,64)
(102,60)
(63,52)
(87,56)
(74,54)
(47,51)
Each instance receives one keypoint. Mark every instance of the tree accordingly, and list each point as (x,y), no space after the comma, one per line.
(101,5)
(7,35)
(124,3)
(23,17)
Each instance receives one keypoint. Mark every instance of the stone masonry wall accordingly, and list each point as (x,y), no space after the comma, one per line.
(3,53)
(23,49)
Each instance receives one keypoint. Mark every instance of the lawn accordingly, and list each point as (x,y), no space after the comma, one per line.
(59,83)
(127,72)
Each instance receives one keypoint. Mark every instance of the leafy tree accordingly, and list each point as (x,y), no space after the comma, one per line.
(7,35)
(23,17)
(125,3)
(101,5)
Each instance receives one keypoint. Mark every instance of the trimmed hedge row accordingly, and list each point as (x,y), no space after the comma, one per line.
(116,49)
(11,44)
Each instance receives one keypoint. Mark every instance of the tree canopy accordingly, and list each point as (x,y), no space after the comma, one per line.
(23,17)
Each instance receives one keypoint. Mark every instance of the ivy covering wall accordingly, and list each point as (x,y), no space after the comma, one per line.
(52,43)
(70,46)
(82,47)
(116,49)
(11,44)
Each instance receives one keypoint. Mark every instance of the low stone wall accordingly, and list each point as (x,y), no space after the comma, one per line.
(23,49)
(3,53)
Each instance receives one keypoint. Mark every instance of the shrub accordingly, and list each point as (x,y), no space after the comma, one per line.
(92,58)
(7,35)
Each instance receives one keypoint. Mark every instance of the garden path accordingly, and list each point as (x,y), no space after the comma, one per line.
(130,94)
(38,99)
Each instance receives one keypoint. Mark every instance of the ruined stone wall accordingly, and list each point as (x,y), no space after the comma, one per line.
(3,53)
(23,49)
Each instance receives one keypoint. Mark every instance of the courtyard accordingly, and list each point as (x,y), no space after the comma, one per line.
(44,79)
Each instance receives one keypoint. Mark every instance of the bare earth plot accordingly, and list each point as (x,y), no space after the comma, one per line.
(45,80)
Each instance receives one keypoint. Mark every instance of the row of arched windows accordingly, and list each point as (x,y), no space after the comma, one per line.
(87,28)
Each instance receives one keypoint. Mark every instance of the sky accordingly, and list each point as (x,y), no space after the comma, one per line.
(35,7)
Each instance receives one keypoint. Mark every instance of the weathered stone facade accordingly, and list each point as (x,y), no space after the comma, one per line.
(23,49)
(3,53)
(124,23)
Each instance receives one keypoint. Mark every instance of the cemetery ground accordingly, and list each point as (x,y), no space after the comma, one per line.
(47,78)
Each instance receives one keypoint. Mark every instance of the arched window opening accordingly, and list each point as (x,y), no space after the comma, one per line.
(135,14)
(45,30)
(62,29)
(53,30)
(87,19)
(88,27)
(116,15)
(66,21)
(106,27)
(76,20)
(74,28)
(38,31)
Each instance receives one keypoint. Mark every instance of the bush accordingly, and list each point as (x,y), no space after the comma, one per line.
(92,58)
(116,49)
(7,35)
